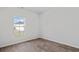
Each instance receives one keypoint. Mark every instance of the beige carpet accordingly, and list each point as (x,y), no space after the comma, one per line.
(39,45)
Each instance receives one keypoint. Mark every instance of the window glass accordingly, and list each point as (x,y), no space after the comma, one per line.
(18,24)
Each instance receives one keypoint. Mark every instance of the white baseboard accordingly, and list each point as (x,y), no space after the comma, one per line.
(18,41)
(34,37)
(61,42)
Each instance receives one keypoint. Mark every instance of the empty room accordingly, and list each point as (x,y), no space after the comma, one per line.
(39,29)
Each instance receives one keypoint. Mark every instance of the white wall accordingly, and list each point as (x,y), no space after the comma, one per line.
(7,36)
(61,25)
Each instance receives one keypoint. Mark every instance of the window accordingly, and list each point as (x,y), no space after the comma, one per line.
(18,24)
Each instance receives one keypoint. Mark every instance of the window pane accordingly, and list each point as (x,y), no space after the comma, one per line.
(18,23)
(21,29)
(18,20)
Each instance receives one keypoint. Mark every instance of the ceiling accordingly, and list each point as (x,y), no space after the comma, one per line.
(38,10)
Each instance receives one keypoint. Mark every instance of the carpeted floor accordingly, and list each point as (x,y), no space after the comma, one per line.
(39,45)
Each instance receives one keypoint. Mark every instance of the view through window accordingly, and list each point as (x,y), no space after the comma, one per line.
(18,24)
